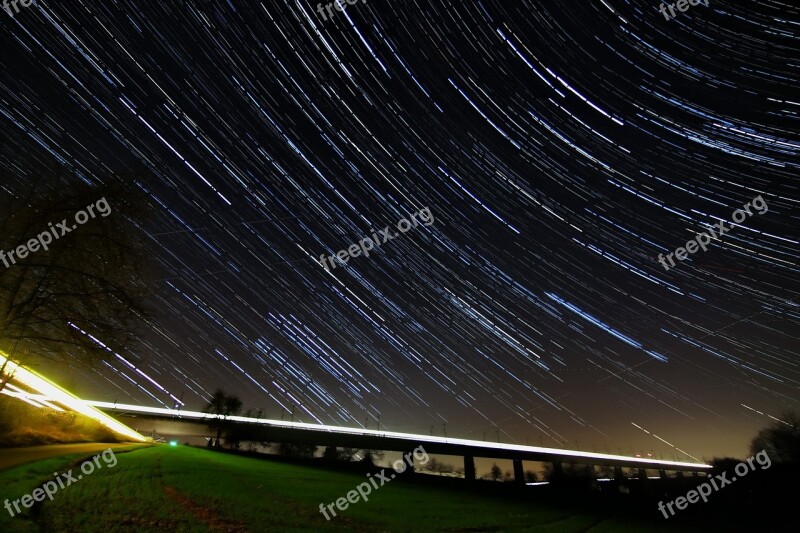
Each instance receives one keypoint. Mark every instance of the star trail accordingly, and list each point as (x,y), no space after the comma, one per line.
(561,147)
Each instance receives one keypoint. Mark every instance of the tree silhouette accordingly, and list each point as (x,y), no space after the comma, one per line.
(781,440)
(531,477)
(232,405)
(496,472)
(222,405)
(81,296)
(330,454)
(432,465)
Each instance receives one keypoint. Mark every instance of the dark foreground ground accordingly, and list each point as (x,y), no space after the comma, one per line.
(163,488)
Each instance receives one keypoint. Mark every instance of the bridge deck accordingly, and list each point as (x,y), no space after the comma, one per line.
(325,435)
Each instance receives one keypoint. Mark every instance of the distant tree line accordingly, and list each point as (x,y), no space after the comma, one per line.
(238,435)
(781,441)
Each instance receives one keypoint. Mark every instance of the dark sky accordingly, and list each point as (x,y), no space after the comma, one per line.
(560,148)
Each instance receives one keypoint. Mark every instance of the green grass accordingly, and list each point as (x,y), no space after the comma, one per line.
(23,479)
(188,489)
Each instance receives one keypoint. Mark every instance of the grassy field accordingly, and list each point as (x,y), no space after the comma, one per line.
(165,488)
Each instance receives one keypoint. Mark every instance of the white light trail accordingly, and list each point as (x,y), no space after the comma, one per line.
(178,413)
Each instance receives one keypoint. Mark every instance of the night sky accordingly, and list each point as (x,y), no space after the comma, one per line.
(560,147)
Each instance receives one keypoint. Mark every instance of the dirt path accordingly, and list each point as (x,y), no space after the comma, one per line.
(209,517)
(16,456)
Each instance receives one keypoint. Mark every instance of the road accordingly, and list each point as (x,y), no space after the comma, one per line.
(16,456)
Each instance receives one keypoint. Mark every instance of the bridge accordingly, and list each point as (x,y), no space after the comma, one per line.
(375,439)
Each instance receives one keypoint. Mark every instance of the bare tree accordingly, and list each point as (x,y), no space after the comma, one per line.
(70,290)
(444,468)
(531,477)
(222,405)
(232,405)
(780,440)
(432,465)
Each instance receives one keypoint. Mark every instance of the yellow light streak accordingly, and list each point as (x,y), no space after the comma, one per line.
(42,385)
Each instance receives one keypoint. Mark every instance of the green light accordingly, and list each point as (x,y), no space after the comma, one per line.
(173,443)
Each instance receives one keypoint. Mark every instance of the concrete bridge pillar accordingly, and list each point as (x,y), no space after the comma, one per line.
(679,474)
(558,473)
(593,475)
(469,468)
(410,463)
(592,471)
(642,474)
(618,475)
(519,473)
(662,474)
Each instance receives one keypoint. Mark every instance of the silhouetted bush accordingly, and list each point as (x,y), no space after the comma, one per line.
(781,440)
